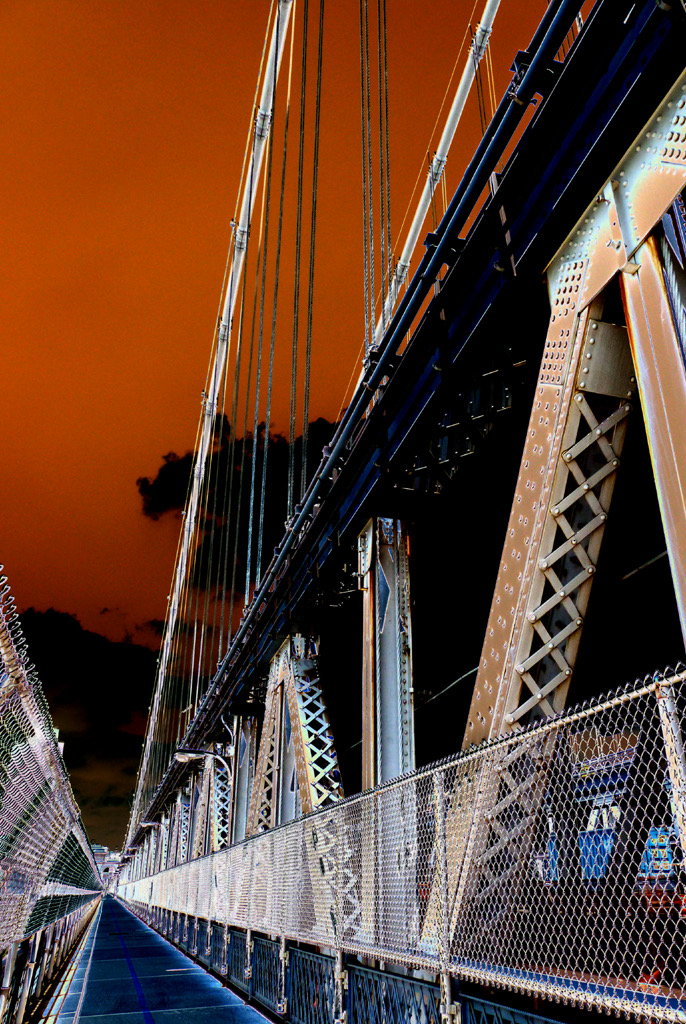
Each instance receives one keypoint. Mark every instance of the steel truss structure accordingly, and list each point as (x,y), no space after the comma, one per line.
(548,857)
(587,915)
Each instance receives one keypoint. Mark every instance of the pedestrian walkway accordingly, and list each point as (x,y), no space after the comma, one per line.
(128,974)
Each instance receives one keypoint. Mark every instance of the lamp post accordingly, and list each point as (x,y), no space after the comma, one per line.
(185,755)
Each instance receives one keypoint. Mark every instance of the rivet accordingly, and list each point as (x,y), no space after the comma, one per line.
(591,341)
(590,570)
(603,517)
(539,696)
(551,646)
(567,456)
(586,487)
(598,431)
(615,462)
(532,617)
(568,671)
(562,593)
(629,394)
(555,511)
(544,565)
(579,398)
(585,369)
(509,719)
(579,621)
(520,669)
(582,384)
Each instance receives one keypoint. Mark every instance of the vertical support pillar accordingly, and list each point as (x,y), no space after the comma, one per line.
(659,361)
(387,694)
(244,764)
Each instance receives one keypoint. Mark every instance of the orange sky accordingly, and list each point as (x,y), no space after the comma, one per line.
(122,138)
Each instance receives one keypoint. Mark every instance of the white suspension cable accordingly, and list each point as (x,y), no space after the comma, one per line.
(477,50)
(263,122)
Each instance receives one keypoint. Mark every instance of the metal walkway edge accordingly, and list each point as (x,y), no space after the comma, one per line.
(128,974)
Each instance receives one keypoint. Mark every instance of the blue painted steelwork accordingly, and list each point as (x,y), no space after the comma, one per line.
(199,947)
(375,997)
(217,954)
(236,960)
(480,1011)
(310,987)
(266,972)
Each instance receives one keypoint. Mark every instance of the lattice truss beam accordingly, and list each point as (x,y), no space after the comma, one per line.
(296,726)
(590,377)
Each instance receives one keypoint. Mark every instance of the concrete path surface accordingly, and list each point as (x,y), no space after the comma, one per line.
(128,974)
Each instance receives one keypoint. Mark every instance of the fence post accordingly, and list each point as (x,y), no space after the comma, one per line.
(450,1011)
(674,751)
(10,960)
(340,1013)
(248,960)
(283,971)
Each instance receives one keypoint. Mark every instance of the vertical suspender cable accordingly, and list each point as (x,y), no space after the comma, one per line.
(265,454)
(313,232)
(437,166)
(296,286)
(365,216)
(261,135)
(370,200)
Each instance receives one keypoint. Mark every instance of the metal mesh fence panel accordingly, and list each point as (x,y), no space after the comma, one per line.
(550,862)
(311,987)
(266,972)
(236,959)
(48,868)
(377,997)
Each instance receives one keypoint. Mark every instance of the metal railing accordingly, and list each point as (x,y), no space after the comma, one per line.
(48,874)
(548,862)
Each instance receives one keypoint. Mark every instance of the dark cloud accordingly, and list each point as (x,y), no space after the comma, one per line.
(230,476)
(166,492)
(99,692)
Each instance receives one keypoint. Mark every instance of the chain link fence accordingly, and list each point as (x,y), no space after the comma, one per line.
(548,862)
(46,863)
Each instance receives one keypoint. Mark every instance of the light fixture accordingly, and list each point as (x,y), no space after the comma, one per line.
(186,754)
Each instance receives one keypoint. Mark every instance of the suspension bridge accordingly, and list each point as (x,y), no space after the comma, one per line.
(418,756)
